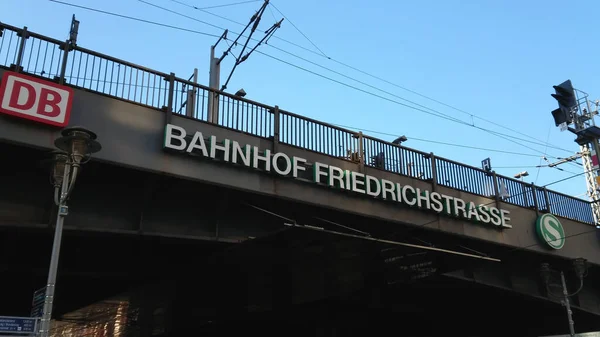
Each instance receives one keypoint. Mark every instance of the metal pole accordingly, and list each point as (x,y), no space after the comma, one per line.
(191,96)
(63,68)
(21,51)
(213,83)
(567,304)
(48,301)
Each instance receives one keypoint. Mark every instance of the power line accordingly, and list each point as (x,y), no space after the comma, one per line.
(137,19)
(383,80)
(439,142)
(518,167)
(298,29)
(506,137)
(242,24)
(226,5)
(539,166)
(174,12)
(545,150)
(438,114)
(434,112)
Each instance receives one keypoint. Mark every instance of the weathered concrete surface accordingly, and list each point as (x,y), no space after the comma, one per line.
(132,135)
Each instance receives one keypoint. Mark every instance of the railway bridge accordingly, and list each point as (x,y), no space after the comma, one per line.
(209,213)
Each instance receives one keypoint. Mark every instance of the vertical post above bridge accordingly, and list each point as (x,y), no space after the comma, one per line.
(276,128)
(433,172)
(536,205)
(547,199)
(169,111)
(496,189)
(24,35)
(361,151)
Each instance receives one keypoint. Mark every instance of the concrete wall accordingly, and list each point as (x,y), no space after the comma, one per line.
(132,135)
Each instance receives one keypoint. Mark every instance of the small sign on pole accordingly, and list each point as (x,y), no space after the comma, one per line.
(37,303)
(486,164)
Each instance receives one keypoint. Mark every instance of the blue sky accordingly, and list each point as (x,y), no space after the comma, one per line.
(493,60)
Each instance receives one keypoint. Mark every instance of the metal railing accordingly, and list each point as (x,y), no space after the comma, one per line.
(24,51)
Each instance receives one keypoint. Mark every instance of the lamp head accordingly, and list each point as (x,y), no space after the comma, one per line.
(240,93)
(400,140)
(580,266)
(521,174)
(59,160)
(545,272)
(78,142)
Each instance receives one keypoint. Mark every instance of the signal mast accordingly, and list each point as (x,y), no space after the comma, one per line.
(575,114)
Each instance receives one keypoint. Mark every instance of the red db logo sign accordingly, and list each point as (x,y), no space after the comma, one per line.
(38,100)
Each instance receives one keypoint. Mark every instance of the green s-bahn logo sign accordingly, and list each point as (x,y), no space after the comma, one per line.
(550,231)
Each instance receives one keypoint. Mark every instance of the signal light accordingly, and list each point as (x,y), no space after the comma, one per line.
(567,103)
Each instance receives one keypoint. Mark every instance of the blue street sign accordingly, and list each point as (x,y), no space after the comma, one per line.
(17,324)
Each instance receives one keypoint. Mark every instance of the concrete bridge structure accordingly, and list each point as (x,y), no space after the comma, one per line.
(201,216)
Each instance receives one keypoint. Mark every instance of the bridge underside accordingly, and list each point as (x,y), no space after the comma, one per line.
(190,257)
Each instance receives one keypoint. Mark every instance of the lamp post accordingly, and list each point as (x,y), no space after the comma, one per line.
(76,145)
(580,267)
(398,141)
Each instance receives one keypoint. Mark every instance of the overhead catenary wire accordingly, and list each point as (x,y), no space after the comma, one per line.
(228,5)
(380,79)
(367,236)
(430,112)
(537,175)
(315,73)
(506,137)
(137,19)
(501,135)
(439,142)
(298,29)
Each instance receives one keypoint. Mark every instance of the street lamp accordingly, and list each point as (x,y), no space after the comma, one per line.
(521,175)
(240,93)
(76,147)
(399,140)
(580,268)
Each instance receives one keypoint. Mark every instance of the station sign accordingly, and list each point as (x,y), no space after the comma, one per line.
(35,99)
(226,150)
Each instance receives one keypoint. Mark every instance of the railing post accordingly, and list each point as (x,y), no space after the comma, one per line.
(535,201)
(170,98)
(525,199)
(276,126)
(547,200)
(191,96)
(433,172)
(24,36)
(496,189)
